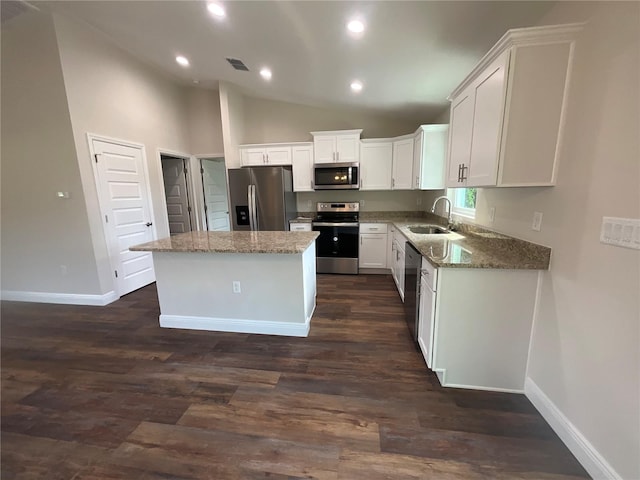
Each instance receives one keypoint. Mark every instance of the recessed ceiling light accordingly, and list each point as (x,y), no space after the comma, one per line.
(265,73)
(355,26)
(184,61)
(356,86)
(216,9)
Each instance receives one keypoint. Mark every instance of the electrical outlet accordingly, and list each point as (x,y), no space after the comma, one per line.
(308,205)
(236,286)
(537,221)
(362,203)
(419,201)
(492,214)
(65,195)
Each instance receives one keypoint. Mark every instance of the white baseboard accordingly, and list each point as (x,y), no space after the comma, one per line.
(592,461)
(63,298)
(442,378)
(235,325)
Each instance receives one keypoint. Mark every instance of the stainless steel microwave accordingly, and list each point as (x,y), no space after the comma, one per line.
(336,176)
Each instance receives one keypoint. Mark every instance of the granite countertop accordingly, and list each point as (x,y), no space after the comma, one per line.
(232,242)
(469,246)
(301,220)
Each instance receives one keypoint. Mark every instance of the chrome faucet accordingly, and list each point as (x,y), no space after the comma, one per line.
(433,207)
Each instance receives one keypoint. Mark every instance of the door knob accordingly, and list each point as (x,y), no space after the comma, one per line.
(148,224)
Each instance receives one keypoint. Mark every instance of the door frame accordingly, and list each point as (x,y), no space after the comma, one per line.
(203,199)
(197,183)
(110,242)
(197,220)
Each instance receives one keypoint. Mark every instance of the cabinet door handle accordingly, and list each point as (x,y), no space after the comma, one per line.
(464,167)
(417,182)
(393,182)
(459,174)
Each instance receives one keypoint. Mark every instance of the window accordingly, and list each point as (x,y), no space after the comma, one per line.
(463,201)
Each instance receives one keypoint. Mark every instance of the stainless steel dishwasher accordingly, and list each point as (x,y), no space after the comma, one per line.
(412,264)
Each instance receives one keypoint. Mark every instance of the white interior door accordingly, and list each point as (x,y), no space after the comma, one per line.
(125,205)
(176,194)
(214,183)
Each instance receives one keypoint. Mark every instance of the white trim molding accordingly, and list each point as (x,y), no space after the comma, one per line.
(61,298)
(592,461)
(236,325)
(441,373)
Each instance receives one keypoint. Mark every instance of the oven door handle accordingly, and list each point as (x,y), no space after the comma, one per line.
(334,224)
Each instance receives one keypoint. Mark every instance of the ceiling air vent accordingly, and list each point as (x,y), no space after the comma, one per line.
(237,64)
(11,9)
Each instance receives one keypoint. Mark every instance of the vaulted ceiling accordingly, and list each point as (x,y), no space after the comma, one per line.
(409,58)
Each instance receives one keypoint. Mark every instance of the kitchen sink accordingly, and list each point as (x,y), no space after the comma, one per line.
(427,229)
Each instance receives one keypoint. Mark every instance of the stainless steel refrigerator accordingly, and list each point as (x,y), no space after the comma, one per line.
(262,198)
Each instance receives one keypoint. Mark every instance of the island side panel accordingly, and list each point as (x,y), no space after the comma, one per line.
(195,291)
(309,276)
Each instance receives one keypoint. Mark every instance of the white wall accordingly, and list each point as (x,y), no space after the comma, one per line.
(40,233)
(274,121)
(585,350)
(205,122)
(113,94)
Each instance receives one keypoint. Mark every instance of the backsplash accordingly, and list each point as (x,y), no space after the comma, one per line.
(379,201)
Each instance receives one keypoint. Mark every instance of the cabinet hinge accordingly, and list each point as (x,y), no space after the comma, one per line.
(95,155)
(106,219)
(116,272)
(185,170)
(201,171)
(189,208)
(206,209)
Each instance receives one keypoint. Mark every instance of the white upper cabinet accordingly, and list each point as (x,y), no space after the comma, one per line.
(507,115)
(266,154)
(302,159)
(430,156)
(376,161)
(336,146)
(403,163)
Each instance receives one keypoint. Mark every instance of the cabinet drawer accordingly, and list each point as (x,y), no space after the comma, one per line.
(429,274)
(399,238)
(373,228)
(299,227)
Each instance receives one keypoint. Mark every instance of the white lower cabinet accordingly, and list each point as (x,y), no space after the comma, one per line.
(373,245)
(398,261)
(300,226)
(427,311)
(475,326)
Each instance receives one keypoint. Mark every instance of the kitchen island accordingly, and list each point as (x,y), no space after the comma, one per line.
(247,282)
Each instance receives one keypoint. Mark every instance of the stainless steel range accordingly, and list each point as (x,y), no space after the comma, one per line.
(337,245)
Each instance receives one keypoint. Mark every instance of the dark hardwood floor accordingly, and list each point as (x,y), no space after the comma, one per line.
(105,393)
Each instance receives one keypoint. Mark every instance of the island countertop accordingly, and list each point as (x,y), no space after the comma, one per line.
(232,242)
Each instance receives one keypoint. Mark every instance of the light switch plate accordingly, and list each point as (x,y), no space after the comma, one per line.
(537,221)
(621,232)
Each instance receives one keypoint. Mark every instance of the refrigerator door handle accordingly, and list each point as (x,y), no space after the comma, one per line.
(254,209)
(250,204)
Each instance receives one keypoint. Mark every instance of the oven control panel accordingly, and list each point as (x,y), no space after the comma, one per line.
(338,207)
